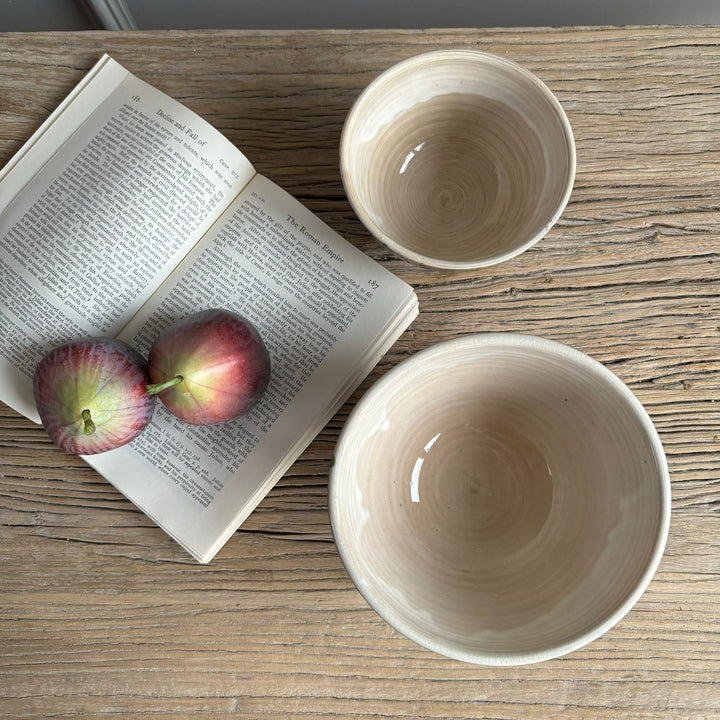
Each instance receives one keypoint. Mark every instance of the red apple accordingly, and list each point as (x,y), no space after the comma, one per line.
(91,395)
(218,362)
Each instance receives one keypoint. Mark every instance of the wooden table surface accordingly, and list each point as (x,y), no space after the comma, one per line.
(102,615)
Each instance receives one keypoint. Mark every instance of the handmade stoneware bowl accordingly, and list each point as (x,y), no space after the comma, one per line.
(457,159)
(500,499)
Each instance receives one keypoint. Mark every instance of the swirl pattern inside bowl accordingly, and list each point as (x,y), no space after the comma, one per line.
(457,158)
(500,499)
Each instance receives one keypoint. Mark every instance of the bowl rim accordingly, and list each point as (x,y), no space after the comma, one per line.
(438,56)
(500,339)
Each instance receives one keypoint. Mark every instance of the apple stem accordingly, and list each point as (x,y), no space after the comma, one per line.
(155,388)
(89,428)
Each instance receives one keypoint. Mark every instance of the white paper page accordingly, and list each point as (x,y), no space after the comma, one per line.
(105,199)
(326,311)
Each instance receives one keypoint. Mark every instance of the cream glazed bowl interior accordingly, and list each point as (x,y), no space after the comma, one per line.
(457,159)
(500,499)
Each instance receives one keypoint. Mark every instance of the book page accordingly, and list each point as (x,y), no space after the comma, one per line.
(327,313)
(96,210)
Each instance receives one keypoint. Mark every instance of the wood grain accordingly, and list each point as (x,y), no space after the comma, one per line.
(101,615)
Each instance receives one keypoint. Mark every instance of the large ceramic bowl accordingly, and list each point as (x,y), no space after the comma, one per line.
(457,159)
(500,499)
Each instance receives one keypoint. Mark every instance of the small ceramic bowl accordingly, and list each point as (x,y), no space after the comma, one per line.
(500,499)
(457,159)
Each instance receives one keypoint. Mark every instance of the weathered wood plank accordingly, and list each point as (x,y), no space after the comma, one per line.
(102,615)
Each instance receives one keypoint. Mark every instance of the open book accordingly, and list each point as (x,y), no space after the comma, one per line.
(126,211)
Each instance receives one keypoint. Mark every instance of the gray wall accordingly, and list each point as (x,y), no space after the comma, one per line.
(20,15)
(419,13)
(43,15)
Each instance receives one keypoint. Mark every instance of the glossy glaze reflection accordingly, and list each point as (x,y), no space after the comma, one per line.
(462,183)
(475,494)
(457,159)
(500,498)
